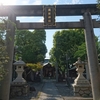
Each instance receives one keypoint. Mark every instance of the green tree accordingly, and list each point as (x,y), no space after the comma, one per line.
(65,44)
(35,67)
(69,44)
(81,52)
(31,45)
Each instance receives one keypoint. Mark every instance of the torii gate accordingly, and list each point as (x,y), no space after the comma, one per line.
(61,10)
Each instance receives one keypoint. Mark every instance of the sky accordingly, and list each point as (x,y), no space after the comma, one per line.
(50,33)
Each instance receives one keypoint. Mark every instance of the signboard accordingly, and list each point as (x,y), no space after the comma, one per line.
(49,13)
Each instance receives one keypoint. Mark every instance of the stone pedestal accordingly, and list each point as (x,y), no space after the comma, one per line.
(17,90)
(81,86)
(82,91)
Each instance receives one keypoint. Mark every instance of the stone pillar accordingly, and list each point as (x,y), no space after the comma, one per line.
(87,71)
(92,56)
(10,48)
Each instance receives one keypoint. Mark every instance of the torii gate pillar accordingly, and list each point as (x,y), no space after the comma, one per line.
(5,86)
(92,56)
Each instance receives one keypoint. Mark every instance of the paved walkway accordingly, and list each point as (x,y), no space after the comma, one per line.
(49,92)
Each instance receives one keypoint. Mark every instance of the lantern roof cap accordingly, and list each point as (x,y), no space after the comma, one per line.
(19,62)
(79,62)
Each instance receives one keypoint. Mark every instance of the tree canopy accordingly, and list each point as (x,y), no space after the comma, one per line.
(31,45)
(68,45)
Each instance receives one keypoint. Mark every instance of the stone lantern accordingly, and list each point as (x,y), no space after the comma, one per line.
(19,69)
(81,85)
(19,86)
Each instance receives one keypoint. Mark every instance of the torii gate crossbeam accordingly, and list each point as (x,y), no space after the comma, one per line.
(59,25)
(61,10)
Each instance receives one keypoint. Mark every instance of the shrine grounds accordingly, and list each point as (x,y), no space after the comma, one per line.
(64,92)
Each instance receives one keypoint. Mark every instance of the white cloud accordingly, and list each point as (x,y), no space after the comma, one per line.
(37,2)
(7,2)
(76,1)
(73,1)
(25,2)
(25,19)
(31,17)
(41,20)
(55,2)
(29,2)
(67,2)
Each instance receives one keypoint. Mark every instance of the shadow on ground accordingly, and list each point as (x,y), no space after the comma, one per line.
(33,95)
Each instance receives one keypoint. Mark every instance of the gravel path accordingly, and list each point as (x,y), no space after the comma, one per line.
(49,92)
(64,90)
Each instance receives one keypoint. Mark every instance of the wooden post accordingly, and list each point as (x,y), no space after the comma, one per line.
(41,72)
(92,56)
(56,65)
(10,49)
